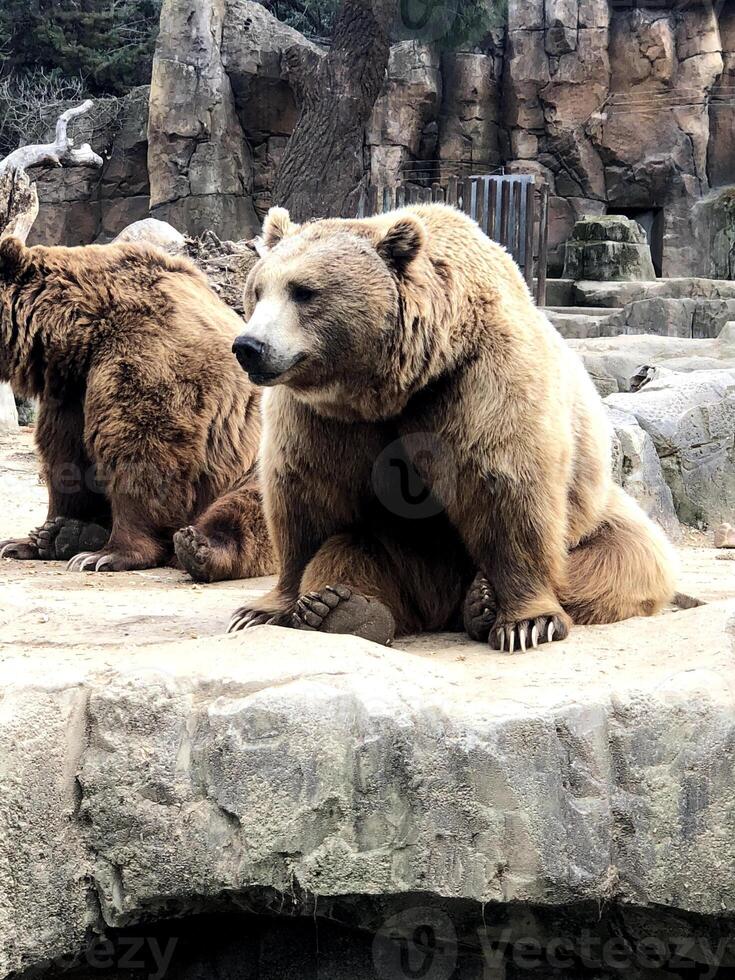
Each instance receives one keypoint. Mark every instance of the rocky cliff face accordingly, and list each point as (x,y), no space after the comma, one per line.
(620,108)
(83,204)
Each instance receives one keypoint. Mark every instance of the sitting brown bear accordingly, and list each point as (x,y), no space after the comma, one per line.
(425,421)
(145,425)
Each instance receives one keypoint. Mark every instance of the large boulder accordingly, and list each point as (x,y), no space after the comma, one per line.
(691,420)
(608,247)
(614,361)
(637,469)
(144,782)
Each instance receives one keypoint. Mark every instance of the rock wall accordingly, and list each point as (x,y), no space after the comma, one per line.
(79,205)
(619,107)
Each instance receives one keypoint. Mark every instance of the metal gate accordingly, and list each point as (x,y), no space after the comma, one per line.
(511,209)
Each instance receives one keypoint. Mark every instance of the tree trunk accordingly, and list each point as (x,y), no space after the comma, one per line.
(18,204)
(323,167)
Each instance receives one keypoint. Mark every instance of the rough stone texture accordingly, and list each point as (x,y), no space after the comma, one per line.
(408,102)
(469,124)
(717,220)
(199,161)
(613,361)
(697,318)
(619,294)
(8,412)
(691,419)
(83,204)
(253,55)
(605,248)
(637,469)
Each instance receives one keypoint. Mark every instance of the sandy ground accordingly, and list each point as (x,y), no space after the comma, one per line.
(45,608)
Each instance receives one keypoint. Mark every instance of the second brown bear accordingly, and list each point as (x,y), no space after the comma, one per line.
(147,430)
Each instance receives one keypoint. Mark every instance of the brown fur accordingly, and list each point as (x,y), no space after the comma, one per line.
(414,322)
(129,353)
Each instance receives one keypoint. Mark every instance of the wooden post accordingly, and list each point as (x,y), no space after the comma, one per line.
(543,246)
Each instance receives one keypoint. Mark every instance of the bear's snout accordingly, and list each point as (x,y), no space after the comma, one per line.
(249,352)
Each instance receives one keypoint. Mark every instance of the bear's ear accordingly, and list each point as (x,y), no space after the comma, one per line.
(15,259)
(276,226)
(400,245)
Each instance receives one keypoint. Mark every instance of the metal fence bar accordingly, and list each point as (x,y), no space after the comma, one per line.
(485,204)
(530,219)
(543,246)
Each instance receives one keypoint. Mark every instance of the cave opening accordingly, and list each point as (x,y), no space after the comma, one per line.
(409,937)
(651,220)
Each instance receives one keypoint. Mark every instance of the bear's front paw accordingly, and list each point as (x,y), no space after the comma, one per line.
(21,549)
(480,609)
(246,617)
(65,537)
(104,561)
(519,635)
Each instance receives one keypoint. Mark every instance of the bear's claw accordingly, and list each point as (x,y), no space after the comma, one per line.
(95,561)
(528,633)
(247,617)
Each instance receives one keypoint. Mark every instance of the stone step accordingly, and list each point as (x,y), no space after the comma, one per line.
(581,325)
(582,310)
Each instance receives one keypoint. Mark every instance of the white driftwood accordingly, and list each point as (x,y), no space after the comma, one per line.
(61,152)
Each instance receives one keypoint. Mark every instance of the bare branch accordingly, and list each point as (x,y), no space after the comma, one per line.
(61,152)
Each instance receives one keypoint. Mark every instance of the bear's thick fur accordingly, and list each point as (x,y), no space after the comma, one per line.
(407,344)
(146,427)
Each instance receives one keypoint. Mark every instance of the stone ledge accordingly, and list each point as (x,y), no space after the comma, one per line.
(164,775)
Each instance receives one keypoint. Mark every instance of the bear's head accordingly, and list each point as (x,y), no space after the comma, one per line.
(16,264)
(325,306)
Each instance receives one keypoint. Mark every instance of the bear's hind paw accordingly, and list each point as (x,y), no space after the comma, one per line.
(337,609)
(480,609)
(196,554)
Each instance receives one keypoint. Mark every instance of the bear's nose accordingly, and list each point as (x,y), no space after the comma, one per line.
(248,351)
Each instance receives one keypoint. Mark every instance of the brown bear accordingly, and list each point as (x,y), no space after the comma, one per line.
(433,451)
(147,430)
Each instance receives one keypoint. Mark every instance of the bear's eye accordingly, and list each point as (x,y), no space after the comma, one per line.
(301,293)
(258,293)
